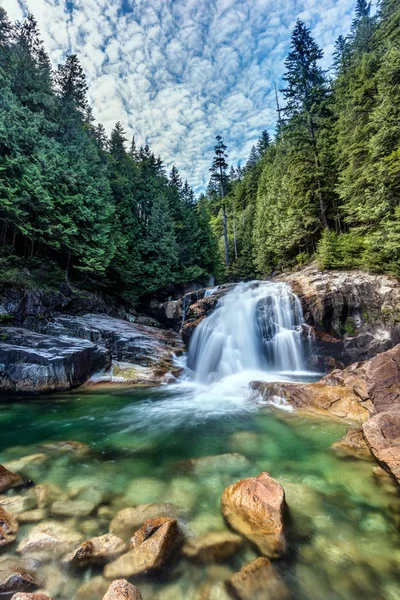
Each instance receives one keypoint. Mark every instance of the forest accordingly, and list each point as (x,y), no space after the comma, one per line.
(95,209)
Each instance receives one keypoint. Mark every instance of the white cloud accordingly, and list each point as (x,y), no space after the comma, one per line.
(178,72)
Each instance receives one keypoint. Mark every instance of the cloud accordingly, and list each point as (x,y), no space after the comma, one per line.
(178,72)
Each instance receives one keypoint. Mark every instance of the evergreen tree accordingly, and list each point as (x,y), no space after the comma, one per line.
(218,173)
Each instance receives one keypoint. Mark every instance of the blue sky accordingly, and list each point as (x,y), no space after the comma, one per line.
(178,72)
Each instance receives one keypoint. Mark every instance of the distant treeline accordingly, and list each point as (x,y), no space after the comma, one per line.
(76,203)
(328,185)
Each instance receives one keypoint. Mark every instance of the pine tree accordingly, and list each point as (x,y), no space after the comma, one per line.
(218,173)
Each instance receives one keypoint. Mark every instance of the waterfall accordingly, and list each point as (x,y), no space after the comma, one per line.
(256,326)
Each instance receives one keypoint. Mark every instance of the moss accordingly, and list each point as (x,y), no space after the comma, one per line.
(350,327)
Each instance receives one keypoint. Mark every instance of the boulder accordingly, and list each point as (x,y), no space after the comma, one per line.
(120,589)
(152,546)
(72,508)
(382,433)
(255,507)
(49,540)
(8,479)
(36,364)
(8,527)
(257,580)
(129,520)
(13,580)
(98,551)
(212,546)
(352,445)
(18,504)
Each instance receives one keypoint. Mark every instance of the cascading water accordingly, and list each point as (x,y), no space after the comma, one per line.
(257,326)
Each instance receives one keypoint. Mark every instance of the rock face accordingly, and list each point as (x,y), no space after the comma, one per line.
(257,581)
(255,508)
(196,307)
(120,589)
(360,309)
(352,445)
(367,393)
(151,546)
(35,363)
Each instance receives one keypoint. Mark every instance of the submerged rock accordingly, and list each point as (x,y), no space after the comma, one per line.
(8,527)
(8,479)
(212,546)
(129,520)
(23,596)
(48,540)
(18,504)
(257,581)
(98,550)
(20,465)
(152,546)
(220,463)
(15,579)
(353,445)
(255,508)
(72,508)
(122,590)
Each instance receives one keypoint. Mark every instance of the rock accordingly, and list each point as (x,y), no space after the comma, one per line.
(257,581)
(93,589)
(48,540)
(35,363)
(197,307)
(77,448)
(46,494)
(25,462)
(220,463)
(23,596)
(8,527)
(18,504)
(212,546)
(145,490)
(32,516)
(352,445)
(152,546)
(13,580)
(72,508)
(255,508)
(98,550)
(129,520)
(382,433)
(8,479)
(122,590)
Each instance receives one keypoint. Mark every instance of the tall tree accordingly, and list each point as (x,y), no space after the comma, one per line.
(218,172)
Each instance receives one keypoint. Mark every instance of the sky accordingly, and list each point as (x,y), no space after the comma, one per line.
(178,72)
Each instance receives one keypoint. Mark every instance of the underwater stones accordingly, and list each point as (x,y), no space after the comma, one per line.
(93,589)
(8,527)
(13,580)
(77,448)
(245,441)
(49,540)
(18,504)
(220,463)
(128,520)
(98,550)
(72,508)
(205,522)
(46,494)
(212,546)
(8,479)
(257,580)
(23,464)
(352,445)
(32,516)
(120,589)
(145,490)
(152,546)
(255,508)
(23,596)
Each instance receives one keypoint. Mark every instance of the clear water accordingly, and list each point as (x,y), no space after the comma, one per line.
(343,536)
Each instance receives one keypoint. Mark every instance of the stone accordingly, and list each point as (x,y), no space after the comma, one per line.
(13,580)
(60,447)
(152,546)
(255,507)
(46,494)
(220,463)
(213,546)
(8,527)
(72,508)
(22,464)
(32,516)
(120,589)
(145,490)
(98,551)
(23,596)
(8,479)
(257,581)
(48,540)
(36,364)
(18,504)
(382,433)
(352,445)
(93,589)
(128,520)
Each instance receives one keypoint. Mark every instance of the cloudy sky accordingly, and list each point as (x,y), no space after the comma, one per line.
(178,72)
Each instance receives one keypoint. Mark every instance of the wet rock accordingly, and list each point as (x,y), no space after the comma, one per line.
(48,540)
(152,546)
(257,581)
(20,465)
(122,590)
(13,580)
(352,445)
(72,508)
(32,516)
(8,479)
(382,433)
(94,589)
(220,463)
(255,508)
(198,308)
(18,504)
(78,448)
(46,494)
(145,490)
(8,527)
(98,551)
(129,520)
(34,363)
(212,546)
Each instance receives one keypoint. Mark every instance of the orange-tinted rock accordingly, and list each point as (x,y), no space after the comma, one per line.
(152,546)
(382,433)
(129,520)
(13,580)
(8,527)
(353,445)
(122,590)
(99,550)
(255,508)
(8,479)
(257,581)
